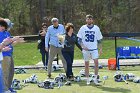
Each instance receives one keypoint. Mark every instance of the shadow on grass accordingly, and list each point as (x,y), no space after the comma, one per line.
(107,89)
(113,90)
(32,71)
(130,68)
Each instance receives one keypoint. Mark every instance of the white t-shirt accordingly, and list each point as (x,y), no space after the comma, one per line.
(90,36)
(1,56)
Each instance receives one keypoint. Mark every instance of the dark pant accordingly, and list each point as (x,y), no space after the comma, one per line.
(69,55)
(44,55)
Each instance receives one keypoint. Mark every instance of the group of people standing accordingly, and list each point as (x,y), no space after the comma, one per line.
(88,40)
(56,39)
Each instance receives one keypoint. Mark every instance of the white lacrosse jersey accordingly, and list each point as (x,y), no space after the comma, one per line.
(1,56)
(90,36)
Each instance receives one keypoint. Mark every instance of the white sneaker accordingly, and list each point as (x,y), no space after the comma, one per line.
(88,81)
(96,82)
(8,91)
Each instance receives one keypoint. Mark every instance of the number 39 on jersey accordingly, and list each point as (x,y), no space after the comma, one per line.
(89,36)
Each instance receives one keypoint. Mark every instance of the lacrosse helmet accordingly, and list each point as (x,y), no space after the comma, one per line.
(20,71)
(77,78)
(118,77)
(55,67)
(58,79)
(82,73)
(41,84)
(62,76)
(33,79)
(48,85)
(16,84)
(136,80)
(93,76)
(129,76)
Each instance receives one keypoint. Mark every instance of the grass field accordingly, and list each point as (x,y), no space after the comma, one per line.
(110,85)
(27,53)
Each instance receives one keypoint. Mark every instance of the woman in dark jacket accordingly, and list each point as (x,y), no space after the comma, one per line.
(68,50)
(41,44)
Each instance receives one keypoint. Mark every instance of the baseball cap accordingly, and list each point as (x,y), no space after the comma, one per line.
(9,23)
(54,20)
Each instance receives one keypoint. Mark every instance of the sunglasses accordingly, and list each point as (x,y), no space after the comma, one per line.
(44,27)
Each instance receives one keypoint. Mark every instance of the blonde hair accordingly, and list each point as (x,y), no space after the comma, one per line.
(89,16)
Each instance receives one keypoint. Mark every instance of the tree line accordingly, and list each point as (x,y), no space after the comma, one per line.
(110,15)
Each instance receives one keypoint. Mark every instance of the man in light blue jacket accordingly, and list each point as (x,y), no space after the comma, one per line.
(52,38)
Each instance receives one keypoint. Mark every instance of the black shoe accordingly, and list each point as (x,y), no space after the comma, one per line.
(49,75)
(71,78)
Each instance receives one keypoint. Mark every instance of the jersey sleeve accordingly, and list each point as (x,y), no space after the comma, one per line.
(79,34)
(99,34)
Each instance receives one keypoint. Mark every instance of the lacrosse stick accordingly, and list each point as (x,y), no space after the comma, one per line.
(125,80)
(104,79)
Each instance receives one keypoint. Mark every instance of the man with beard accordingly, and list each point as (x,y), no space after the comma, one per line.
(89,37)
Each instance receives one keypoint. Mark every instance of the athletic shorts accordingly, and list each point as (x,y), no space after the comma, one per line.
(87,55)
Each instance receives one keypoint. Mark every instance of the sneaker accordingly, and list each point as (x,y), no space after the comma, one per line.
(12,90)
(8,91)
(71,78)
(88,81)
(49,75)
(96,82)
(68,83)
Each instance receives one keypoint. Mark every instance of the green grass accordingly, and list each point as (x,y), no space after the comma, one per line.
(27,53)
(110,85)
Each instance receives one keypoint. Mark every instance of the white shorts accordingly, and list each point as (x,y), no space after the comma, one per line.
(87,55)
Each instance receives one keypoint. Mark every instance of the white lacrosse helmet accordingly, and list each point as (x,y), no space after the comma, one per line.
(63,76)
(82,73)
(118,77)
(33,79)
(130,76)
(136,80)
(77,78)
(55,67)
(16,84)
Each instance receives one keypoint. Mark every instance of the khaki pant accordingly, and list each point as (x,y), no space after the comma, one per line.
(52,53)
(8,71)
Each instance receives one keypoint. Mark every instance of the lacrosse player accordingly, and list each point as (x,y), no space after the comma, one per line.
(89,37)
